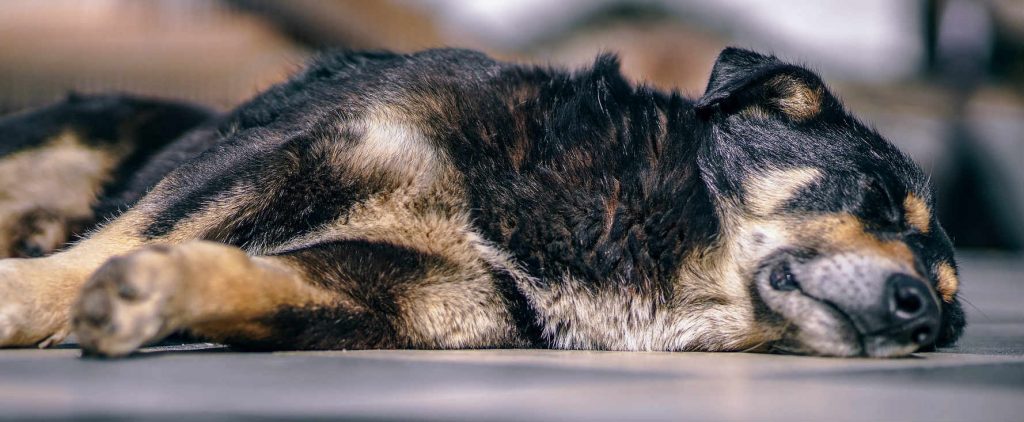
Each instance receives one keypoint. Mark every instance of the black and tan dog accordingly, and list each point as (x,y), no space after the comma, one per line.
(446,200)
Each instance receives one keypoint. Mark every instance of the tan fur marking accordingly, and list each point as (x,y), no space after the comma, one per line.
(949,283)
(230,290)
(795,98)
(228,283)
(455,309)
(845,232)
(393,144)
(757,112)
(917,213)
(450,307)
(765,194)
(390,145)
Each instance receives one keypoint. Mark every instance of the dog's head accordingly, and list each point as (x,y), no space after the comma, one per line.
(827,224)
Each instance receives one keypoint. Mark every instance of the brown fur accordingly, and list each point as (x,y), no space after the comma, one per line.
(846,232)
(796,99)
(917,213)
(770,191)
(949,283)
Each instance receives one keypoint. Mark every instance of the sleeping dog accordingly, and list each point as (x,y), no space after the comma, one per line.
(444,200)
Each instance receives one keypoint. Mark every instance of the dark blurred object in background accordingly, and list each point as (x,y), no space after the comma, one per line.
(944,79)
(357,24)
(971,46)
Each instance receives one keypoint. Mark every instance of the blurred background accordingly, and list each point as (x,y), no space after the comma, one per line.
(942,79)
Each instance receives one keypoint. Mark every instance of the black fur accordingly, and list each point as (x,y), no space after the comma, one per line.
(588,140)
(371,273)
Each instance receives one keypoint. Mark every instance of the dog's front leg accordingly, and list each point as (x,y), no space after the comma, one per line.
(213,290)
(36,294)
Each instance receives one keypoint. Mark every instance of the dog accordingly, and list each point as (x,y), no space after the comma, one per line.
(445,200)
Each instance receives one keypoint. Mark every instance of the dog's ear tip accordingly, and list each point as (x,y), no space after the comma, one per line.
(733,51)
(702,103)
(741,57)
(743,76)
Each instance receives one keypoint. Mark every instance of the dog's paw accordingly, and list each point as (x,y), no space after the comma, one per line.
(36,233)
(127,302)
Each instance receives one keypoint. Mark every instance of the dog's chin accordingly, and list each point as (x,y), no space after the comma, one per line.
(815,328)
(825,347)
(842,342)
(873,348)
(846,350)
(881,347)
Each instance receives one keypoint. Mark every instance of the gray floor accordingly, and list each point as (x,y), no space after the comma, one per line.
(981,379)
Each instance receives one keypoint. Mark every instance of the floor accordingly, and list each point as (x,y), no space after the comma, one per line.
(980,379)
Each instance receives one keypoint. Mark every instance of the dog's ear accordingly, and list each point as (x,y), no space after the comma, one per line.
(743,80)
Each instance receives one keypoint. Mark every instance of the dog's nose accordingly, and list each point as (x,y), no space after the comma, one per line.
(914,313)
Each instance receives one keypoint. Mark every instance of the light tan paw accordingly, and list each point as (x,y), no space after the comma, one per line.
(128,302)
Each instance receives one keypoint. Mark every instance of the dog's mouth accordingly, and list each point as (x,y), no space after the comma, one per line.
(816,325)
(781,278)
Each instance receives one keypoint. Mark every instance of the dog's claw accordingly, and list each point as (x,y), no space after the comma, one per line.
(55,338)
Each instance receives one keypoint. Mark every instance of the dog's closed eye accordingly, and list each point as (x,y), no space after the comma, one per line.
(879,210)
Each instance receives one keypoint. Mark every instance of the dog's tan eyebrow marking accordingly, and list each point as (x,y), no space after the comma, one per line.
(949,283)
(766,193)
(847,232)
(917,213)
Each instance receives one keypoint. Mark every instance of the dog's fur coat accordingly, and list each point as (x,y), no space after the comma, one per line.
(446,200)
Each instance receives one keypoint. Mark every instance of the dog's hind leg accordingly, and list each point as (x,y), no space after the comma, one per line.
(56,162)
(346,294)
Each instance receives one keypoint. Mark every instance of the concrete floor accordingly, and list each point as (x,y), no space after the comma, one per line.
(982,379)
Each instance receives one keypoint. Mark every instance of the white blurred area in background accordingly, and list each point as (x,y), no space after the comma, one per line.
(866,40)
